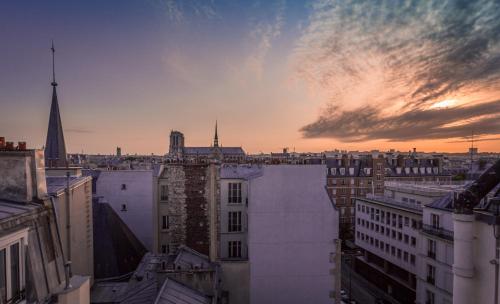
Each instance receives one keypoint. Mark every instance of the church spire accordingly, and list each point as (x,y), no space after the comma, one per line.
(55,148)
(216,137)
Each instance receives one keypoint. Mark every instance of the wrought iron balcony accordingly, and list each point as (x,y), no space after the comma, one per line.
(439,232)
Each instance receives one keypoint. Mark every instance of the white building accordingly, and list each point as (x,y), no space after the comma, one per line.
(407,236)
(130,194)
(278,235)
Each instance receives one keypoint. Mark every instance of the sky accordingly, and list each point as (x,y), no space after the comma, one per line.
(309,75)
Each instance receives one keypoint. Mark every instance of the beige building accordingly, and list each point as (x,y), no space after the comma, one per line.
(72,195)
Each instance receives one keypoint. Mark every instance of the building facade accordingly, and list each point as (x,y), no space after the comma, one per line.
(184,211)
(72,196)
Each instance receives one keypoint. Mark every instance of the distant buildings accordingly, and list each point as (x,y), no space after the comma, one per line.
(354,176)
(177,150)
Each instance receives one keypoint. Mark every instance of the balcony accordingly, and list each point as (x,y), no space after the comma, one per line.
(439,232)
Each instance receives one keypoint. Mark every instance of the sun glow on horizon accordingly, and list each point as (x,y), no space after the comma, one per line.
(444,104)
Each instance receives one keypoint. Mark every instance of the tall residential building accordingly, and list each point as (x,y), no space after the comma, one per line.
(184,207)
(278,232)
(32,263)
(55,147)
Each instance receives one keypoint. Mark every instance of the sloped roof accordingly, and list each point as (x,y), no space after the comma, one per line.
(117,251)
(174,292)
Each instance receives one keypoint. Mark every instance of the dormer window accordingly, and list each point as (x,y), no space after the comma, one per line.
(351,171)
(398,170)
(333,171)
(407,170)
(415,170)
(342,171)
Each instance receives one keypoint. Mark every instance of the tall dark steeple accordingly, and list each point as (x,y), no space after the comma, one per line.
(55,148)
(216,137)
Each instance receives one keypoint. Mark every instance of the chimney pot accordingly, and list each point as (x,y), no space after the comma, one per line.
(21,146)
(9,146)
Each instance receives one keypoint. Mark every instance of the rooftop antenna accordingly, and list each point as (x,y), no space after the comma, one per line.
(54,83)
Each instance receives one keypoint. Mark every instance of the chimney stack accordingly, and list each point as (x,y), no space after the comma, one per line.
(23,173)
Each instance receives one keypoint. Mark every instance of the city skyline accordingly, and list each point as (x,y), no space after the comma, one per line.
(311,76)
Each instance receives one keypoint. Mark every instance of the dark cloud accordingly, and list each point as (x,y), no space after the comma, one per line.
(368,123)
(413,53)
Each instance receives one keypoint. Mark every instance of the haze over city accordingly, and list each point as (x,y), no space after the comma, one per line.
(309,75)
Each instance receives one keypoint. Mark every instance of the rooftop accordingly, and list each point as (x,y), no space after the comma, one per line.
(383,200)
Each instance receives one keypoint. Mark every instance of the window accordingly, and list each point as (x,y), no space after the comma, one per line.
(124,187)
(234,249)
(393,234)
(164,249)
(413,241)
(234,222)
(382,229)
(413,224)
(399,253)
(400,221)
(407,221)
(234,193)
(165,222)
(435,220)
(407,239)
(164,192)
(412,259)
(400,236)
(124,207)
(405,256)
(393,250)
(429,297)
(431,249)
(12,267)
(431,274)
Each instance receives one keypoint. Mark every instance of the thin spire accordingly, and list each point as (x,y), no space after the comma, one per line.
(54,83)
(216,137)
(55,147)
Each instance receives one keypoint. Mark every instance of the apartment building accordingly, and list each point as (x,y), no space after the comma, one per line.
(387,230)
(352,176)
(435,262)
(278,233)
(185,198)
(32,263)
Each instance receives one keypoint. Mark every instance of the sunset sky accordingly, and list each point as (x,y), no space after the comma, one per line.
(309,75)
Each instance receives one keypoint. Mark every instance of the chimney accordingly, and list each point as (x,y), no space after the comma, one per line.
(21,146)
(2,143)
(23,174)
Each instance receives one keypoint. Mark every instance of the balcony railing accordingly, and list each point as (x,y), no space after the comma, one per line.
(440,232)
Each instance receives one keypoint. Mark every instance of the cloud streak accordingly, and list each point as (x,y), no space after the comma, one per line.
(383,64)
